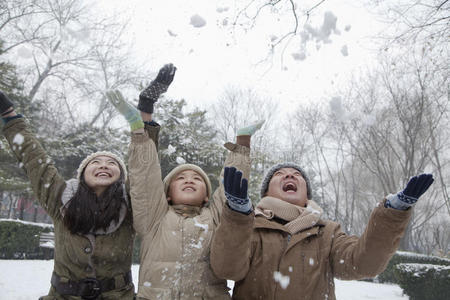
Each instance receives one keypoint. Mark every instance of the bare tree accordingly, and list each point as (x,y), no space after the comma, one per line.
(418,21)
(75,55)
(409,106)
(291,29)
(239,107)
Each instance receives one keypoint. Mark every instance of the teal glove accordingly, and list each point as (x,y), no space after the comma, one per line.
(250,130)
(131,114)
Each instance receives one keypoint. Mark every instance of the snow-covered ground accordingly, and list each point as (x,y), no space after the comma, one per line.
(30,279)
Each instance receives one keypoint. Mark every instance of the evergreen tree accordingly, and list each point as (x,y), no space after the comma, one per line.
(187,138)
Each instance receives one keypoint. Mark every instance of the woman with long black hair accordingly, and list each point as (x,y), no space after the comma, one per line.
(91,215)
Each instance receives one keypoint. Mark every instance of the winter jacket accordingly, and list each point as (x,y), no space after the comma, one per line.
(267,262)
(77,257)
(175,238)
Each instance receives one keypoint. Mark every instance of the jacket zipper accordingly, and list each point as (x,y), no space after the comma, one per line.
(287,240)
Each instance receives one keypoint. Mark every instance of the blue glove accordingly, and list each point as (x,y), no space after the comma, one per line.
(236,190)
(415,187)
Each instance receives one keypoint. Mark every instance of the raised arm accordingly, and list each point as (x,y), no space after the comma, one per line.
(231,247)
(46,182)
(239,158)
(368,255)
(146,187)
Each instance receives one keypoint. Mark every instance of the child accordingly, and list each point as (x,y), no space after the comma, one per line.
(176,218)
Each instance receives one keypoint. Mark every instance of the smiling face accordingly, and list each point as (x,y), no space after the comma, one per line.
(288,185)
(187,187)
(101,172)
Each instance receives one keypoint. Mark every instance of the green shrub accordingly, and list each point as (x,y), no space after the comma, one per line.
(20,240)
(423,281)
(408,257)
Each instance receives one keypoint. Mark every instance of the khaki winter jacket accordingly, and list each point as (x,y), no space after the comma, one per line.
(175,239)
(76,256)
(268,263)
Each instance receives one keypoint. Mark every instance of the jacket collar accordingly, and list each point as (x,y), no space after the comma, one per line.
(262,223)
(187,210)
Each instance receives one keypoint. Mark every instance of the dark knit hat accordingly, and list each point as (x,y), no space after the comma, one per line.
(269,174)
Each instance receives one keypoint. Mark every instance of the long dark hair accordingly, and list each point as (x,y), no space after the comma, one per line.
(87,213)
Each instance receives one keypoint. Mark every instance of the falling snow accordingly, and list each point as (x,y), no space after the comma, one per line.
(147,284)
(18,139)
(281,279)
(180,160)
(344,50)
(197,21)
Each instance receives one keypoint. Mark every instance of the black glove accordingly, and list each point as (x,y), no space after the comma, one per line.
(416,186)
(150,95)
(236,190)
(5,104)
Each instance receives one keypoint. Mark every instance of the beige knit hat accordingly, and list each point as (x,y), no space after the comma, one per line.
(90,157)
(185,167)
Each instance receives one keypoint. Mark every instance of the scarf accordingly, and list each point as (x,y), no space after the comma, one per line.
(299,218)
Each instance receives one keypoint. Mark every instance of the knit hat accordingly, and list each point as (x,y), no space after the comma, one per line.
(90,157)
(185,167)
(269,174)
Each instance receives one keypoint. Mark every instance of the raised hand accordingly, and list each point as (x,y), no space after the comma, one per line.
(416,186)
(150,95)
(166,74)
(130,113)
(236,190)
(251,129)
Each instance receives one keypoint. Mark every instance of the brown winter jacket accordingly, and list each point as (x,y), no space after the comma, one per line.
(175,238)
(76,256)
(268,263)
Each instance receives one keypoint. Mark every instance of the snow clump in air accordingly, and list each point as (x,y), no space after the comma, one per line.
(222,9)
(281,279)
(323,33)
(180,160)
(18,139)
(299,56)
(344,50)
(197,21)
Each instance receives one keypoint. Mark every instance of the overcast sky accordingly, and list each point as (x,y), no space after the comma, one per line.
(198,37)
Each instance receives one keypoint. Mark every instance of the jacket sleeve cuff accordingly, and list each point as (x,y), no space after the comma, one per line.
(393,201)
(7,119)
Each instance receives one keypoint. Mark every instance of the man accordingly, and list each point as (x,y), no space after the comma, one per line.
(284,249)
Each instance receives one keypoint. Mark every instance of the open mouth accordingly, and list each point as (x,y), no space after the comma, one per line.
(103,175)
(289,187)
(188,189)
